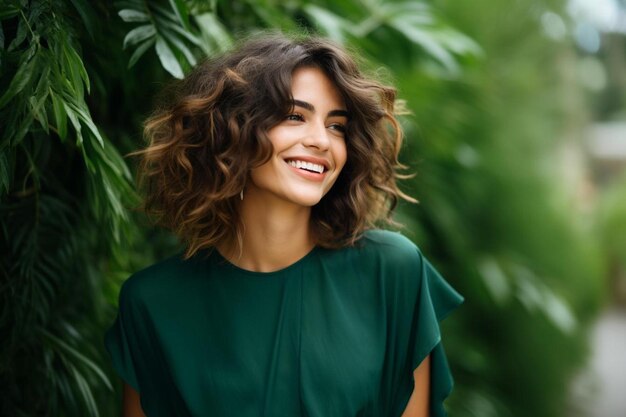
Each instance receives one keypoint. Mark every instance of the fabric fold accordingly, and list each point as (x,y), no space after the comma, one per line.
(117,342)
(436,300)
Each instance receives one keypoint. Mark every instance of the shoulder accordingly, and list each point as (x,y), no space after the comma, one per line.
(387,238)
(390,246)
(160,279)
(383,252)
(390,261)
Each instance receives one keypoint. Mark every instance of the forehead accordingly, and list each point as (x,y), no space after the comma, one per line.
(312,85)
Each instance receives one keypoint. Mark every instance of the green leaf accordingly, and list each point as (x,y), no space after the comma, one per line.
(79,357)
(273,17)
(75,122)
(164,23)
(78,66)
(141,49)
(8,11)
(458,42)
(67,392)
(168,60)
(86,14)
(163,13)
(332,25)
(36,9)
(114,160)
(38,100)
(418,24)
(129,15)
(70,71)
(20,35)
(22,128)
(19,81)
(419,13)
(1,42)
(426,40)
(181,12)
(60,116)
(39,111)
(214,34)
(180,46)
(5,181)
(113,198)
(139,34)
(80,110)
(86,393)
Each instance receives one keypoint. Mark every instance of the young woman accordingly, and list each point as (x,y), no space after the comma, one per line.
(273,164)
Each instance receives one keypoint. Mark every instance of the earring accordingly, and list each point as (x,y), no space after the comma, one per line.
(241,194)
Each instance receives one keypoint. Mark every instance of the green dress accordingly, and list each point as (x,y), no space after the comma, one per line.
(338,333)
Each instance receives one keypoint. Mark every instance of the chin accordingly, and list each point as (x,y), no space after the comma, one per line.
(306,199)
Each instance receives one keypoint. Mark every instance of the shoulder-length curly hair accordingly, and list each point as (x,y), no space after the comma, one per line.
(212,129)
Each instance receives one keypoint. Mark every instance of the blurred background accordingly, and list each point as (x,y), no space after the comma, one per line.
(517,136)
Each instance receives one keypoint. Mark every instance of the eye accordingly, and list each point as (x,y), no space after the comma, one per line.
(296,117)
(338,127)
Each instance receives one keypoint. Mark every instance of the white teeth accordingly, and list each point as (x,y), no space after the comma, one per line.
(309,166)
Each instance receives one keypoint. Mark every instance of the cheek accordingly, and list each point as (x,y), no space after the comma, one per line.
(259,175)
(341,155)
(279,137)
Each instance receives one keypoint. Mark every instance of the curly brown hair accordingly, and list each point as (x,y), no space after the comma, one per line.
(211,129)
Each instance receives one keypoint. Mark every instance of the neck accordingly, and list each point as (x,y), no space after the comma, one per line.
(275,234)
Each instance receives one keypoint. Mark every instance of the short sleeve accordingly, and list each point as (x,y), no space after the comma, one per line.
(436,299)
(120,341)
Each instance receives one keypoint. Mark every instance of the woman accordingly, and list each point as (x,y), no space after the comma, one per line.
(273,163)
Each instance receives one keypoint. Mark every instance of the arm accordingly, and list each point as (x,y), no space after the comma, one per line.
(418,405)
(131,406)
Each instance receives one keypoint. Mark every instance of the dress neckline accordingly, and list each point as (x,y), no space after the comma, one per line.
(223,262)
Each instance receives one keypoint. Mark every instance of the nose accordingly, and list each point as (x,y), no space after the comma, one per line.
(317,136)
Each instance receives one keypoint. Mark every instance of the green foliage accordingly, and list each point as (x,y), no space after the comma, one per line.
(493,214)
(76,81)
(612,222)
(611,231)
(65,197)
(413,23)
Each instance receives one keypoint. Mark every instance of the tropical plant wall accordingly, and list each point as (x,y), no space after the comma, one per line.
(78,77)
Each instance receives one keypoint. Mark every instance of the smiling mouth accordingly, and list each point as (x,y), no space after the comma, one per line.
(307,166)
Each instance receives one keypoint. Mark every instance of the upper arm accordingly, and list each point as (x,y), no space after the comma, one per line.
(131,404)
(418,405)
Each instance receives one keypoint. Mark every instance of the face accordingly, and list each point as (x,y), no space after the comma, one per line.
(309,143)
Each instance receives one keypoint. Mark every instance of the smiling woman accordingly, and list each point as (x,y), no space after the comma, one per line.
(212,129)
(309,149)
(273,164)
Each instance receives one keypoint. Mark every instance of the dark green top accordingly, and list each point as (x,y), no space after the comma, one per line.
(338,333)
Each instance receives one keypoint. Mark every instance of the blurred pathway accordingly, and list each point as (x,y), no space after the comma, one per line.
(601,390)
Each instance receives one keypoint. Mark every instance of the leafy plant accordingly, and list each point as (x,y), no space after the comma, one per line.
(62,184)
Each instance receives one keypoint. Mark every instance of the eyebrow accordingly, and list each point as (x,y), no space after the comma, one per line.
(311,108)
